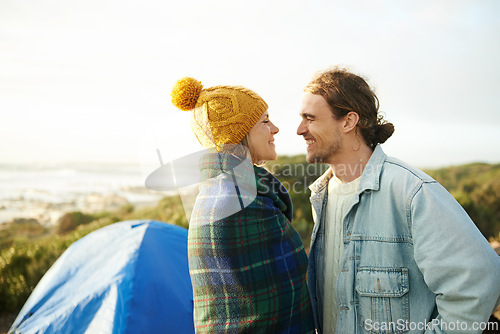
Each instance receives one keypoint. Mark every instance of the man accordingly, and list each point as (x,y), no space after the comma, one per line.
(391,250)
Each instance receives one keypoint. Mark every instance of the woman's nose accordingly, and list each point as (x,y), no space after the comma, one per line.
(275,129)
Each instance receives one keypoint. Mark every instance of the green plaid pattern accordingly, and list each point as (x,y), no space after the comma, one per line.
(248,270)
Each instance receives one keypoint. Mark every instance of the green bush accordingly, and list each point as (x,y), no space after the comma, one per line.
(71,220)
(25,262)
(169,209)
(20,229)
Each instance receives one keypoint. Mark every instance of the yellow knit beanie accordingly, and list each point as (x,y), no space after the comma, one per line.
(221,114)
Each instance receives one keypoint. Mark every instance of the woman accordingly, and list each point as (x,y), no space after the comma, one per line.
(247,263)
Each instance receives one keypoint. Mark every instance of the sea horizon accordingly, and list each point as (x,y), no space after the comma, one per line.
(45,191)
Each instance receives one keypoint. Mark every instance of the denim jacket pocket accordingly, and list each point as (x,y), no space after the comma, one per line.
(383,299)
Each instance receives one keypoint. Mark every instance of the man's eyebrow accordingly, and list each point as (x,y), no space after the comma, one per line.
(307,115)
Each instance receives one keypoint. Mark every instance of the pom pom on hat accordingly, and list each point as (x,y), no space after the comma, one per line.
(185,93)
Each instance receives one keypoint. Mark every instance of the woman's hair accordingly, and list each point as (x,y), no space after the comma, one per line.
(241,150)
(345,92)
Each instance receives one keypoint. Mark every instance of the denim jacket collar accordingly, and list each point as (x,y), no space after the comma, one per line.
(318,185)
(370,180)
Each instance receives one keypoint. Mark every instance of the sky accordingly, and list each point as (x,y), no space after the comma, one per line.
(90,80)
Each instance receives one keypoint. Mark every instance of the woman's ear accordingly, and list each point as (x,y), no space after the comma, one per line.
(351,120)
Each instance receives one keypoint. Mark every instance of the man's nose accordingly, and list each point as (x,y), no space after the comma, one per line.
(301,129)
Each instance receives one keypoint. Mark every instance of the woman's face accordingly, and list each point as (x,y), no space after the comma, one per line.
(261,139)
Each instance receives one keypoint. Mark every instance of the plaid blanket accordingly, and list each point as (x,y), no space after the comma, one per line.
(248,269)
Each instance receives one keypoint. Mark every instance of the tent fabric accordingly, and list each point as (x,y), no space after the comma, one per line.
(128,277)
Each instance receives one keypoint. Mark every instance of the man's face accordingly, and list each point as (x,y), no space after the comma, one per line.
(322,132)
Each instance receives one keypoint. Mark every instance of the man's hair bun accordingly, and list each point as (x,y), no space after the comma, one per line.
(185,93)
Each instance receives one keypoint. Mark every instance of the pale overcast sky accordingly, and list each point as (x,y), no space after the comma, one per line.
(88,80)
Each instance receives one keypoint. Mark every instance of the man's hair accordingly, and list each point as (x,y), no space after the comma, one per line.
(345,92)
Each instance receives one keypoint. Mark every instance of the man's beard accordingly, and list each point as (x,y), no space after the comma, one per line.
(325,155)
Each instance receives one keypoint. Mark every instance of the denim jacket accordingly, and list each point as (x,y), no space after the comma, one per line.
(413,260)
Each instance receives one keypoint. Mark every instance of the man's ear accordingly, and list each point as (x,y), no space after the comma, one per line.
(351,120)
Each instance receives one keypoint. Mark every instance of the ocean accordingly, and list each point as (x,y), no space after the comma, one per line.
(46,192)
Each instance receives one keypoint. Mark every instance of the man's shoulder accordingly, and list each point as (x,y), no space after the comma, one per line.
(398,180)
(400,170)
(383,171)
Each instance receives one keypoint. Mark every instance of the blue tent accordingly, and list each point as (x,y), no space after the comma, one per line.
(129,277)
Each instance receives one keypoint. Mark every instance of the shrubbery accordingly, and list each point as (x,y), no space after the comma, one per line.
(28,249)
(72,220)
(24,263)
